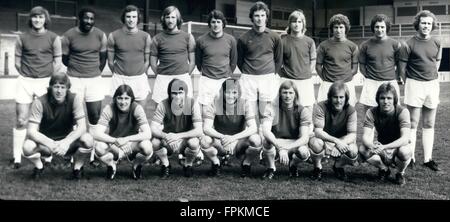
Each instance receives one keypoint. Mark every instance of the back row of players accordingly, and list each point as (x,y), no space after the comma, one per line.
(264,59)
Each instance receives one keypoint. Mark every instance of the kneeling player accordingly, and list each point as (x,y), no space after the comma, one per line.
(123,131)
(230,127)
(392,123)
(335,132)
(286,130)
(177,126)
(58,126)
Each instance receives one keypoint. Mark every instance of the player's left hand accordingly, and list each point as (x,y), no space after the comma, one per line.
(62,147)
(227,140)
(121,141)
(284,157)
(171,137)
(335,152)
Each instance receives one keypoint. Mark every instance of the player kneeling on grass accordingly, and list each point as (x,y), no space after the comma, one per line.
(230,128)
(123,131)
(335,132)
(177,126)
(286,131)
(392,123)
(57,126)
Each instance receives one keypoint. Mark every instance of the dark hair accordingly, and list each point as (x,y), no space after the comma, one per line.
(337,20)
(58,78)
(216,14)
(297,14)
(287,85)
(336,87)
(130,8)
(83,11)
(39,10)
(176,84)
(259,6)
(380,18)
(169,10)
(120,91)
(386,88)
(424,13)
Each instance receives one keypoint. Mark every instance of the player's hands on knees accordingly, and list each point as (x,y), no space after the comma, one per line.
(126,150)
(229,149)
(62,147)
(227,140)
(284,157)
(171,137)
(377,148)
(341,146)
(335,152)
(121,141)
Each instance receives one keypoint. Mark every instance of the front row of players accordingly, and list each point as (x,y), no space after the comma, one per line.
(58,126)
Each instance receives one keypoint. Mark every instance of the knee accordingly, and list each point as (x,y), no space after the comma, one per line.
(156,143)
(193,143)
(100,148)
(206,142)
(255,140)
(428,123)
(146,147)
(93,117)
(21,122)
(404,153)
(87,140)
(352,151)
(28,147)
(363,151)
(316,145)
(303,151)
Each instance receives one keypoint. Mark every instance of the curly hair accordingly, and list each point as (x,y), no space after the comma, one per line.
(337,20)
(380,18)
(256,7)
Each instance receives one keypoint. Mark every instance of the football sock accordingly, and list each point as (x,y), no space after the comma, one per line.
(428,141)
(412,140)
(19,136)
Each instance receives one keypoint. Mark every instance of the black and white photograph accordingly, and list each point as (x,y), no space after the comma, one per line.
(224,102)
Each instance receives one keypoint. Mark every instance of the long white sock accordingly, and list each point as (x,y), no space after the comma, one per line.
(412,140)
(48,159)
(90,130)
(19,136)
(427,141)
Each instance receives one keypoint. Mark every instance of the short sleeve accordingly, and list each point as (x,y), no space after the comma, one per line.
(36,112)
(320,54)
(312,51)
(106,116)
(404,53)
(154,47)
(362,53)
(191,44)
(319,117)
(369,120)
(439,54)
(305,117)
(139,115)
(148,42)
(354,53)
(159,113)
(404,119)
(65,42)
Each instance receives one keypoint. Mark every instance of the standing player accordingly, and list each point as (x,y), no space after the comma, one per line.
(84,54)
(335,132)
(123,131)
(378,59)
(215,57)
(299,56)
(259,59)
(230,128)
(175,51)
(419,63)
(128,55)
(286,131)
(337,58)
(37,56)
(177,126)
(392,123)
(58,126)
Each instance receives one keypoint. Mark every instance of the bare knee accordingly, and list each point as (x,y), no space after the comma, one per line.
(101,148)
(255,140)
(206,142)
(303,151)
(352,151)
(156,143)
(404,153)
(21,122)
(87,140)
(193,143)
(316,145)
(29,147)
(146,147)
